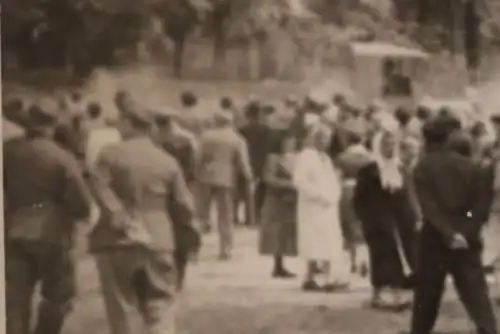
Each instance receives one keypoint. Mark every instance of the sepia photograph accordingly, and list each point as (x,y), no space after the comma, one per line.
(250,166)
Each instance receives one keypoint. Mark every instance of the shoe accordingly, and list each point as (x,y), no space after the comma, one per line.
(283,273)
(311,286)
(363,270)
(336,287)
(224,257)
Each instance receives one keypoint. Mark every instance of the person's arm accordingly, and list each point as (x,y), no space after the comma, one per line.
(101,185)
(484,192)
(76,196)
(360,190)
(271,174)
(412,196)
(430,205)
(180,192)
(243,160)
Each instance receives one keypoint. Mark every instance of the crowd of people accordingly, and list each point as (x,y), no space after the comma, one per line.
(400,196)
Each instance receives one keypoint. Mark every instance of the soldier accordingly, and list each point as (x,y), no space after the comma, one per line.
(223,157)
(45,195)
(180,148)
(134,240)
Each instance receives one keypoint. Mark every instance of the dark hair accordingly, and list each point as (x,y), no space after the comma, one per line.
(436,132)
(252,109)
(354,138)
(188,99)
(403,116)
(423,113)
(226,103)
(94,110)
(76,96)
(338,99)
(477,129)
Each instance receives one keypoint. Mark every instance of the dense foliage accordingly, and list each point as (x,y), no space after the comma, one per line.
(82,34)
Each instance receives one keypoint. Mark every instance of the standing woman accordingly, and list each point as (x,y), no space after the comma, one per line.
(319,232)
(279,213)
(381,202)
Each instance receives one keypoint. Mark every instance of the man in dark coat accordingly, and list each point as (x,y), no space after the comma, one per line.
(455,199)
(45,195)
(186,237)
(259,137)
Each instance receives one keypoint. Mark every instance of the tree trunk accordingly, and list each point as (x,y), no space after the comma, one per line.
(219,47)
(179,46)
(472,36)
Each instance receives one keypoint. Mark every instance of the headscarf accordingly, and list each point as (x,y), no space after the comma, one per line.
(389,169)
(314,131)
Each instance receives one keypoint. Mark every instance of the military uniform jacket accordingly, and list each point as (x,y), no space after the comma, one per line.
(44,191)
(134,181)
(223,158)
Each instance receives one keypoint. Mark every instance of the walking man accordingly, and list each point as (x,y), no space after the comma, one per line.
(455,204)
(223,157)
(134,239)
(45,195)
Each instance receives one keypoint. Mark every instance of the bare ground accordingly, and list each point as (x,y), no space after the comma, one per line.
(240,297)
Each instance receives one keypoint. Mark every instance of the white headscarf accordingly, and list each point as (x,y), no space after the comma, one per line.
(389,169)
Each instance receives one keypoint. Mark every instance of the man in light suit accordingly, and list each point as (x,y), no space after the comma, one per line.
(223,158)
(134,239)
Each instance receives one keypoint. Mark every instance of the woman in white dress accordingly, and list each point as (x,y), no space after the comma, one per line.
(319,231)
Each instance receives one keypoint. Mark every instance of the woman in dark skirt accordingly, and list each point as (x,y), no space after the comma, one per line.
(382,203)
(278,226)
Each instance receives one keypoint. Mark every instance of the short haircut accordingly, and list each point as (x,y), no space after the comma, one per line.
(226,103)
(403,116)
(94,110)
(188,99)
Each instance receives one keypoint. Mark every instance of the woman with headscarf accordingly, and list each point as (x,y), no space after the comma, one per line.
(319,232)
(278,236)
(382,204)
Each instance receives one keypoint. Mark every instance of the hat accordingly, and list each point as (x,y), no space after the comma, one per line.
(139,114)
(164,113)
(44,112)
(224,117)
(495,118)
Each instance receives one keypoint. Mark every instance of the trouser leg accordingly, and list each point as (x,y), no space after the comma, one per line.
(120,298)
(225,219)
(430,282)
(181,261)
(157,285)
(58,291)
(470,282)
(205,194)
(20,279)
(259,196)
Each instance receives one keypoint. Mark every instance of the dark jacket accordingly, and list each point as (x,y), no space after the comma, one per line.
(44,191)
(455,193)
